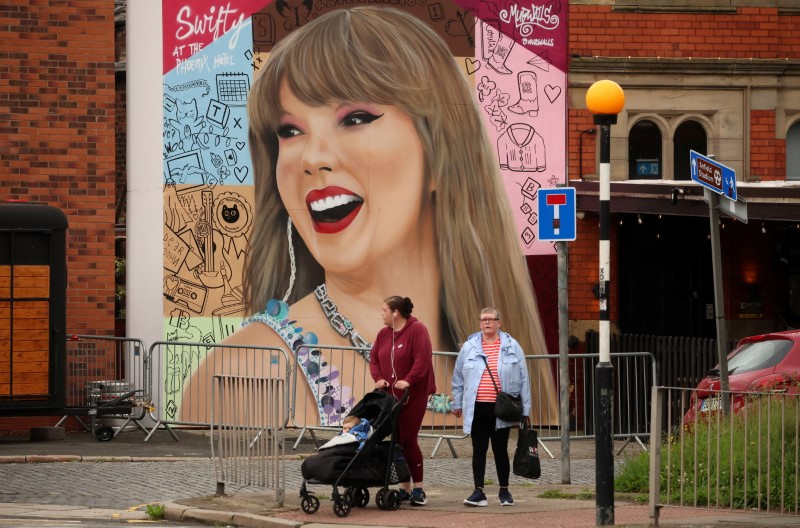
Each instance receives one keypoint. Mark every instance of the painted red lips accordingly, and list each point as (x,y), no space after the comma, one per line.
(333,208)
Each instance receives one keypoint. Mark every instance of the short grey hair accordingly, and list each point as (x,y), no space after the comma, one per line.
(491,310)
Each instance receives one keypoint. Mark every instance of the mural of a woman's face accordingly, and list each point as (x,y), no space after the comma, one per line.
(352,178)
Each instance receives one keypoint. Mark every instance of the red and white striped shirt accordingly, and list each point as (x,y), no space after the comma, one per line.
(486,390)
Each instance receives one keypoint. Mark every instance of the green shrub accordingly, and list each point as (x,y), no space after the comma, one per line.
(634,477)
(745,461)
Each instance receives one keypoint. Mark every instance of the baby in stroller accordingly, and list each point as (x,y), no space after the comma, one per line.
(360,458)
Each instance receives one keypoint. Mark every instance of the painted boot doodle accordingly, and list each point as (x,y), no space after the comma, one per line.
(502,50)
(489,41)
(528,99)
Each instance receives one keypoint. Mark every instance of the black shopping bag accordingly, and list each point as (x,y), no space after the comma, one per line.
(526,456)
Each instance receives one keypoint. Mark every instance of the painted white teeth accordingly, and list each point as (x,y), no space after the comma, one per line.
(333,201)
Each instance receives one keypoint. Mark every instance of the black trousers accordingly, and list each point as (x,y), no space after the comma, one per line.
(483,431)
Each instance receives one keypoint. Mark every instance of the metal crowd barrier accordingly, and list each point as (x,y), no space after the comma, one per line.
(182,375)
(324,382)
(745,459)
(311,393)
(438,422)
(318,368)
(106,369)
(634,374)
(248,420)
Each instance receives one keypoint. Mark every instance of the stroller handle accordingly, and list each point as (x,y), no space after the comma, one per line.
(403,398)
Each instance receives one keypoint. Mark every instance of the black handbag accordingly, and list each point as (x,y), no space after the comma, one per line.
(526,456)
(506,407)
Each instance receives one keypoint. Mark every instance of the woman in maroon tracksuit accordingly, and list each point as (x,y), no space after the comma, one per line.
(401,357)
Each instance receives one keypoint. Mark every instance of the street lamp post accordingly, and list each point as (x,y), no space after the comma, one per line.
(605,100)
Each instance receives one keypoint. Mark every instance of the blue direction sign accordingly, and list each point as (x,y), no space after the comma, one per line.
(556,210)
(713,175)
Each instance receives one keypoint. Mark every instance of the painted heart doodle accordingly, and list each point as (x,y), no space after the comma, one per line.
(552,92)
(241,173)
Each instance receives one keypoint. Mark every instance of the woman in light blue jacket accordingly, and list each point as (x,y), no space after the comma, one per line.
(474,395)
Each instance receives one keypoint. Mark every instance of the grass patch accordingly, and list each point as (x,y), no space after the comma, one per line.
(561,494)
(156,511)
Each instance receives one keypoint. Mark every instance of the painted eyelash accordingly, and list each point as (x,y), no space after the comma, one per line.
(363,115)
(286,131)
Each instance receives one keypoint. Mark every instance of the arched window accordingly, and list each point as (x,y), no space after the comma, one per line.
(644,151)
(690,135)
(793,152)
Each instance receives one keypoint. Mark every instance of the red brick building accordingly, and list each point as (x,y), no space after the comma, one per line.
(720,78)
(57,115)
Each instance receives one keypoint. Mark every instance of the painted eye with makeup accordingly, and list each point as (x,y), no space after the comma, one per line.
(360,117)
(288,131)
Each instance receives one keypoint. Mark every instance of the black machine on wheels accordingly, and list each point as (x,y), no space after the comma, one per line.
(355,466)
(119,407)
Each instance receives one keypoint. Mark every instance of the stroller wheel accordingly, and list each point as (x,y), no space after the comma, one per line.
(393,500)
(341,508)
(380,498)
(360,497)
(309,504)
(104,434)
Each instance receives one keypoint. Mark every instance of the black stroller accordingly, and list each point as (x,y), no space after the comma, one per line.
(375,462)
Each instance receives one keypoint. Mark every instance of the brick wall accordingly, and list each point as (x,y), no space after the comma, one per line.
(57,112)
(599,30)
(751,32)
(584,270)
(767,153)
(578,121)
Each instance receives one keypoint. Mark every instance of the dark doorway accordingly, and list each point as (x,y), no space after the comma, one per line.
(665,276)
(690,135)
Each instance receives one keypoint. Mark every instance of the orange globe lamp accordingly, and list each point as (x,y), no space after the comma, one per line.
(605,98)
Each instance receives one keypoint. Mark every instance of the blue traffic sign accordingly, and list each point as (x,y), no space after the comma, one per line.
(556,210)
(713,175)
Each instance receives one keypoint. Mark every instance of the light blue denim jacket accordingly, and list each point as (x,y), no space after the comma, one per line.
(513,376)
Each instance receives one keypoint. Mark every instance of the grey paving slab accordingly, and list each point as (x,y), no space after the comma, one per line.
(127,484)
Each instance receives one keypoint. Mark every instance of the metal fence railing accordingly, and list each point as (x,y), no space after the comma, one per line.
(324,382)
(182,375)
(745,459)
(327,381)
(634,374)
(107,377)
(248,420)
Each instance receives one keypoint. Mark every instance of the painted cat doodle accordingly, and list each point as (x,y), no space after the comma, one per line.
(230,214)
(187,121)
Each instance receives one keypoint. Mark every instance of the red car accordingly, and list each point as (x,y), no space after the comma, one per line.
(762,363)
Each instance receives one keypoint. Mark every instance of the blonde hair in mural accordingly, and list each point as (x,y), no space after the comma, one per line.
(386,56)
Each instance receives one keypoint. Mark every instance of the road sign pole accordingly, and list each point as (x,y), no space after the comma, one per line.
(719,303)
(563,357)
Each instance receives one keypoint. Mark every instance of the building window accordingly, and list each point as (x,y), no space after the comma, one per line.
(644,151)
(690,135)
(793,152)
